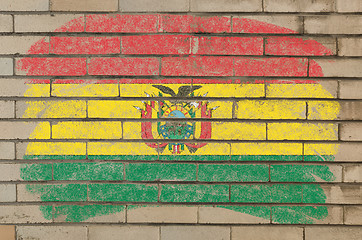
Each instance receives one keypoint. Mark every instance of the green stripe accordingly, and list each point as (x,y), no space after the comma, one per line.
(313,158)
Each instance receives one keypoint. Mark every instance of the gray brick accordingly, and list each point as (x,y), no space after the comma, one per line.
(84,5)
(24,130)
(22,214)
(123,232)
(342,194)
(6,66)
(350,89)
(333,233)
(7,150)
(226,6)
(42,23)
(21,5)
(194,232)
(7,109)
(334,24)
(52,232)
(349,6)
(10,172)
(154,5)
(351,131)
(267,233)
(7,192)
(350,47)
(352,215)
(299,6)
(23,88)
(162,214)
(340,67)
(18,44)
(353,173)
(6,23)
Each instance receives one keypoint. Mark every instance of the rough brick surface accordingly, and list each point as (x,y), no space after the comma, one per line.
(52,232)
(333,24)
(22,214)
(6,66)
(7,232)
(125,232)
(350,89)
(353,215)
(7,150)
(350,47)
(264,233)
(351,132)
(299,6)
(226,6)
(194,233)
(84,5)
(6,23)
(7,192)
(7,109)
(18,5)
(353,173)
(313,233)
(154,5)
(46,23)
(349,6)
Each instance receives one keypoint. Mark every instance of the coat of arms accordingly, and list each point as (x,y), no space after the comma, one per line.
(171,112)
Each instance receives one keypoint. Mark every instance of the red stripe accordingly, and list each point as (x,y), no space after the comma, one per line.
(155,81)
(83,81)
(244,25)
(197,66)
(295,46)
(53,66)
(158,44)
(271,66)
(85,45)
(227,45)
(123,66)
(194,24)
(75,25)
(40,47)
(122,23)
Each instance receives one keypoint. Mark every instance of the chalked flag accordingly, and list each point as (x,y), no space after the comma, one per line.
(152,114)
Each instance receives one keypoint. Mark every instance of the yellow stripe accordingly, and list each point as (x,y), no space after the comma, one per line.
(297,91)
(302,131)
(320,148)
(85,90)
(37,90)
(323,110)
(56,148)
(238,130)
(120,148)
(266,149)
(271,109)
(55,109)
(87,130)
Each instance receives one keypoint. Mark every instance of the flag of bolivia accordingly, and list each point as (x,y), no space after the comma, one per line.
(152,114)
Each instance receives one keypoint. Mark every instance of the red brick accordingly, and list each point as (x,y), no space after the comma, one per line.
(227,45)
(245,66)
(156,44)
(121,23)
(123,66)
(197,66)
(52,66)
(245,25)
(85,45)
(191,24)
(295,46)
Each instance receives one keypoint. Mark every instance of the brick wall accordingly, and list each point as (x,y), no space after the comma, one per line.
(90,148)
